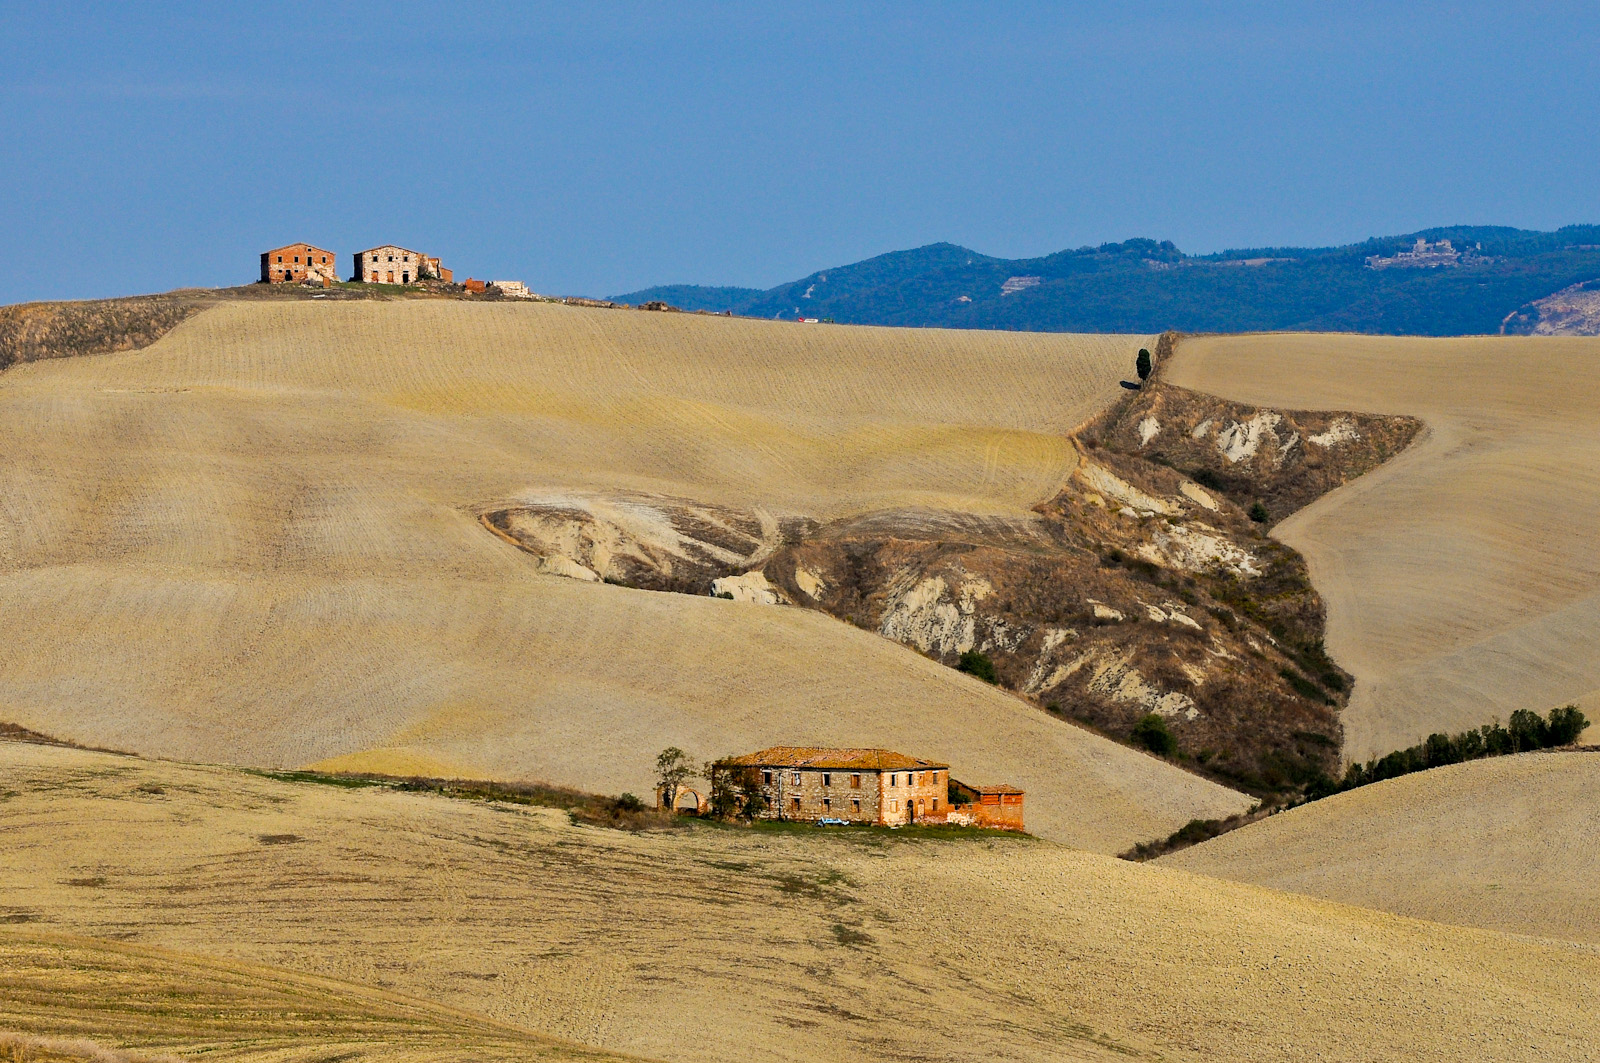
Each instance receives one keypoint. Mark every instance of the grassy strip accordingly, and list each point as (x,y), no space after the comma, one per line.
(622,813)
(865,832)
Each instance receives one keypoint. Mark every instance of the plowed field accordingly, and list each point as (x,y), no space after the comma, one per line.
(731,944)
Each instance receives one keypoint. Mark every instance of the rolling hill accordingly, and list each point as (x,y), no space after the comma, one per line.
(1460,578)
(1510,843)
(258,541)
(1149,286)
(720,944)
(66,998)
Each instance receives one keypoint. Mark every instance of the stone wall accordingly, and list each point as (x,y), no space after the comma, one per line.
(387,265)
(891,797)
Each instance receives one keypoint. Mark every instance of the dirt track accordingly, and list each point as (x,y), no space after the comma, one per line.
(1461,578)
(731,945)
(257,541)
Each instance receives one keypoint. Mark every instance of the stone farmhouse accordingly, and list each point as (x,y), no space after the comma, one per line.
(396,265)
(298,263)
(876,786)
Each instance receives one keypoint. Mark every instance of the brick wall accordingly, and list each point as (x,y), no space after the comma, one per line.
(296,262)
(999,811)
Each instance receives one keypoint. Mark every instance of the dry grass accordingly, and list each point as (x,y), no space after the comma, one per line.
(722,944)
(1509,843)
(257,541)
(69,999)
(1461,579)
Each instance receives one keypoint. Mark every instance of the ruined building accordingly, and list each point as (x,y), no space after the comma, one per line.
(396,265)
(297,263)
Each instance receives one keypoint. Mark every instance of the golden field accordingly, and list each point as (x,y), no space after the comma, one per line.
(716,943)
(1461,578)
(257,542)
(1509,843)
(64,997)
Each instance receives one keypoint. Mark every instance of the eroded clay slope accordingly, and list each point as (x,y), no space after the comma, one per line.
(1134,590)
(1461,579)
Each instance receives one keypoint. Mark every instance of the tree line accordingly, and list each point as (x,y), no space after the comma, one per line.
(1526,730)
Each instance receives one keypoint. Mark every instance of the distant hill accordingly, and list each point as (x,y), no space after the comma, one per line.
(694,296)
(1494,278)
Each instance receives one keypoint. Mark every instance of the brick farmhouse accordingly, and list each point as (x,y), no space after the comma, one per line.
(298,263)
(877,786)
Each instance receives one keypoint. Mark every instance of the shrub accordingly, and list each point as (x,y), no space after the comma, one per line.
(629,803)
(1302,686)
(1151,732)
(1439,750)
(977,664)
(1528,730)
(1566,724)
(1142,364)
(1258,513)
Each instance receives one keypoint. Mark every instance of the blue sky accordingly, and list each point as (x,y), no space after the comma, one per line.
(597,149)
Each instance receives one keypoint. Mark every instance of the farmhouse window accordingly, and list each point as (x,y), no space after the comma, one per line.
(936,804)
(374,258)
(796,803)
(827,802)
(894,806)
(922,806)
(855,782)
(827,778)
(855,804)
(766,778)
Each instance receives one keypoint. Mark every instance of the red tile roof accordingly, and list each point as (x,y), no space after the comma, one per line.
(838,759)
